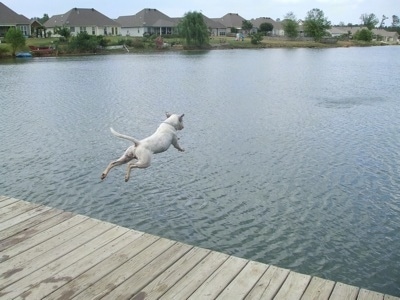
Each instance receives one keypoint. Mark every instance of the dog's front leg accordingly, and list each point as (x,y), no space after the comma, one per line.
(176,145)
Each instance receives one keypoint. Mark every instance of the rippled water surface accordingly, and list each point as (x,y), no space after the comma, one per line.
(292,155)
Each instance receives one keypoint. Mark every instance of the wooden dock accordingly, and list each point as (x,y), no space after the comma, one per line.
(47,253)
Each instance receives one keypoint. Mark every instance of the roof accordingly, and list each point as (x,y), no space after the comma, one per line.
(257,22)
(212,23)
(80,17)
(10,17)
(149,17)
(383,32)
(231,20)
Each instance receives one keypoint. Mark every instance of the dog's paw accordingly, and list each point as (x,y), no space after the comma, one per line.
(103,176)
(181,150)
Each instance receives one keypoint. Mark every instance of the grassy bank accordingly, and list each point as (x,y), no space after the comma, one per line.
(143,44)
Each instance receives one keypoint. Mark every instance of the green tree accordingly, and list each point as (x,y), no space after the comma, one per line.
(63,31)
(395,21)
(290,25)
(44,19)
(316,24)
(15,38)
(266,27)
(369,20)
(247,25)
(83,42)
(256,38)
(363,35)
(194,30)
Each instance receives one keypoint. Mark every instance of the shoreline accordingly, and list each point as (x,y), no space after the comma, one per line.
(223,44)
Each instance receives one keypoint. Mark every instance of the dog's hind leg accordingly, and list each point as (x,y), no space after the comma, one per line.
(141,163)
(120,161)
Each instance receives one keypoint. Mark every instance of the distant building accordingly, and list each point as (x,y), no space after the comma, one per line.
(147,21)
(84,20)
(9,18)
(277,26)
(231,21)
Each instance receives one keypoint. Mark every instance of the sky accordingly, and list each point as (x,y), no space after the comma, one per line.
(336,11)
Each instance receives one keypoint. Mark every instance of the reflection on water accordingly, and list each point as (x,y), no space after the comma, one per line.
(292,156)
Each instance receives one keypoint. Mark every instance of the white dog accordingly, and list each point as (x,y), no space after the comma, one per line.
(142,150)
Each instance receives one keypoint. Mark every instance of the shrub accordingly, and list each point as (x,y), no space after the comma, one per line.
(363,35)
(256,38)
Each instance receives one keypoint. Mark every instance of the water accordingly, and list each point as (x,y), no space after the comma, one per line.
(292,155)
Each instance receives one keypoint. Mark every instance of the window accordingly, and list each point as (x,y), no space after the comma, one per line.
(93,30)
(24,29)
(82,29)
(72,29)
(105,30)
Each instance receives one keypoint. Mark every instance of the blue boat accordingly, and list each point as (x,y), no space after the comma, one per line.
(23,54)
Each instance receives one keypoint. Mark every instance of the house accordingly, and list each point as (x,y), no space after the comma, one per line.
(380,34)
(147,21)
(231,21)
(276,31)
(37,29)
(216,28)
(386,36)
(84,20)
(9,18)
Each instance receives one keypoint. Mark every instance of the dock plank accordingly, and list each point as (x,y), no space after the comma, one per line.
(56,280)
(12,239)
(30,286)
(135,283)
(85,280)
(15,209)
(293,287)
(28,224)
(244,281)
(344,291)
(192,280)
(161,284)
(369,295)
(47,253)
(4,201)
(269,284)
(37,257)
(217,282)
(318,289)
(112,280)
(23,217)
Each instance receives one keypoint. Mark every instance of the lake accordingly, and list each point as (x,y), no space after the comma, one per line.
(292,155)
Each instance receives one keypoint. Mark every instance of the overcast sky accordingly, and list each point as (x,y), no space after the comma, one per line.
(347,11)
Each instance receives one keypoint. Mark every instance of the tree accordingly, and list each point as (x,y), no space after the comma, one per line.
(15,38)
(316,24)
(395,21)
(363,35)
(290,25)
(266,27)
(44,19)
(63,31)
(369,20)
(193,28)
(83,42)
(256,38)
(383,21)
(247,25)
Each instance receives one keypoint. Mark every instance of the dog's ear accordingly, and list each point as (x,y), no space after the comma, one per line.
(167,114)
(180,118)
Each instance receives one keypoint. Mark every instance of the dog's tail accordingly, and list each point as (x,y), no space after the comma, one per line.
(126,137)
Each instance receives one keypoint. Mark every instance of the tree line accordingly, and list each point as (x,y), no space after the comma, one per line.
(194,31)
